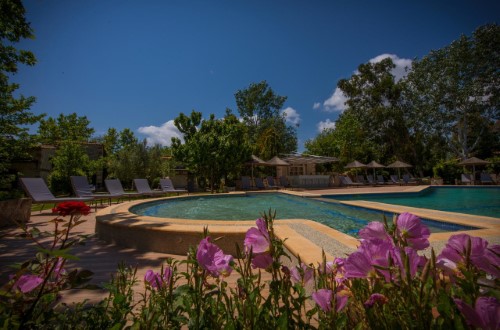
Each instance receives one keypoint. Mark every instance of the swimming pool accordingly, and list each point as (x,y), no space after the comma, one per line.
(344,218)
(469,200)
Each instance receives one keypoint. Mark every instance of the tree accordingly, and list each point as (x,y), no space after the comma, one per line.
(15,140)
(69,159)
(455,90)
(65,128)
(259,107)
(68,133)
(347,141)
(374,99)
(214,148)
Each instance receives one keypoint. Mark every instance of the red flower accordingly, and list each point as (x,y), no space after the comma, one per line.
(70,208)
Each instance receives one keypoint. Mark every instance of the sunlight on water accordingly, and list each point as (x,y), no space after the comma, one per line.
(344,218)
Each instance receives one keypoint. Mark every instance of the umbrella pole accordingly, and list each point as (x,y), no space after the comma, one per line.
(473,174)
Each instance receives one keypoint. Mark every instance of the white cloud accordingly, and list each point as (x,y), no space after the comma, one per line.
(292,116)
(161,135)
(316,105)
(322,125)
(401,64)
(336,102)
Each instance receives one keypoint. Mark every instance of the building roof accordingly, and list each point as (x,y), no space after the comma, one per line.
(308,159)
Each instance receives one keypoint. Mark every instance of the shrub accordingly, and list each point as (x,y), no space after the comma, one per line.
(387,283)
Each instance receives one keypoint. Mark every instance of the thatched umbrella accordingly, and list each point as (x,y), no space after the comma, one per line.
(473,161)
(373,164)
(355,164)
(399,165)
(256,161)
(276,161)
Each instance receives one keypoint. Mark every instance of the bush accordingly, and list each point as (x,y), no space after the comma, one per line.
(448,170)
(386,283)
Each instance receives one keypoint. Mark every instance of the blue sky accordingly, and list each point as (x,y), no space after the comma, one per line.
(138,64)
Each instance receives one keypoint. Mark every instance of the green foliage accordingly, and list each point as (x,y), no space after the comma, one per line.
(269,135)
(214,148)
(68,133)
(494,166)
(69,159)
(446,107)
(185,294)
(454,91)
(448,170)
(65,128)
(14,111)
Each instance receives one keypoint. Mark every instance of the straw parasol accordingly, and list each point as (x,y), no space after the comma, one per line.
(399,165)
(256,161)
(473,161)
(355,164)
(276,161)
(373,164)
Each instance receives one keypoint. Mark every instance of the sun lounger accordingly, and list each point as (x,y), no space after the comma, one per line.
(270,183)
(486,179)
(39,193)
(259,184)
(246,183)
(361,179)
(142,187)
(381,180)
(395,179)
(370,180)
(407,179)
(346,181)
(166,185)
(114,187)
(82,188)
(466,178)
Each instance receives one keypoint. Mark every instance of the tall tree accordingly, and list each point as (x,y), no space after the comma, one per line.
(68,133)
(213,148)
(455,90)
(65,128)
(259,107)
(15,112)
(374,99)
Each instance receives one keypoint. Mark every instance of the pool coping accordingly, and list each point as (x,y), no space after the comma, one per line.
(118,225)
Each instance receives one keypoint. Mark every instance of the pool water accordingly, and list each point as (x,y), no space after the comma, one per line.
(344,218)
(477,201)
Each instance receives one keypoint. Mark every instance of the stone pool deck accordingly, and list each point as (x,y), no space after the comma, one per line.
(304,238)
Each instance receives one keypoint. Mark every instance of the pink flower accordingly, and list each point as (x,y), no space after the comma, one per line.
(335,267)
(156,280)
(485,315)
(415,260)
(257,239)
(375,298)
(360,264)
(455,253)
(302,274)
(27,283)
(263,261)
(212,259)
(324,297)
(410,229)
(374,230)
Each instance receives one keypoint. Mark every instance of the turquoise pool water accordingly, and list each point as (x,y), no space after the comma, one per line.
(477,201)
(346,219)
